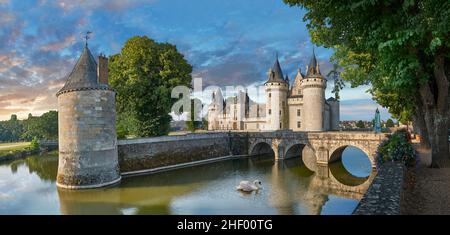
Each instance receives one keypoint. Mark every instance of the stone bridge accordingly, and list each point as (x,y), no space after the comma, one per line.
(315,147)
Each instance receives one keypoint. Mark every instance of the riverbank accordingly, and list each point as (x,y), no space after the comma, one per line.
(426,191)
(13,151)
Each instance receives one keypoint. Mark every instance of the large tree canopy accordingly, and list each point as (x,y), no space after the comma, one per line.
(400,48)
(143,74)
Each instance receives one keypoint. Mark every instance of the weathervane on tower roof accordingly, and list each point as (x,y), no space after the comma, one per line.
(87,37)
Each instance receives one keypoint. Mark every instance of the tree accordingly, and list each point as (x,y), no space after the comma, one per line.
(400,48)
(143,75)
(43,127)
(195,118)
(390,123)
(360,124)
(335,74)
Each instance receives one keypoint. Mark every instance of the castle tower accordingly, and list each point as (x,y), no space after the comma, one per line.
(214,110)
(334,113)
(313,87)
(276,89)
(87,127)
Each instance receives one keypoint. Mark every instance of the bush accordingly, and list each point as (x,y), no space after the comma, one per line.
(34,145)
(396,148)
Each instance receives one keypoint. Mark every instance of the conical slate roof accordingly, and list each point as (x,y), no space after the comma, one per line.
(313,67)
(276,73)
(83,75)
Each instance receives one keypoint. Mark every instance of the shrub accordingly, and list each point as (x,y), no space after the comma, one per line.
(396,148)
(34,145)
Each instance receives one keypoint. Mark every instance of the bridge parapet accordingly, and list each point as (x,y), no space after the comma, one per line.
(328,146)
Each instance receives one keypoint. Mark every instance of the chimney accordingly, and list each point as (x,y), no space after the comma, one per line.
(102,70)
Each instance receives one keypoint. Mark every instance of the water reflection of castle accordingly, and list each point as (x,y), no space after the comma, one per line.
(292,190)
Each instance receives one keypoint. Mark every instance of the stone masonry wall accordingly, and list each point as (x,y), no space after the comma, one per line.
(150,153)
(383,195)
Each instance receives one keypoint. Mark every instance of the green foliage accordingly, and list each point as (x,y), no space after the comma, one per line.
(43,127)
(360,124)
(144,74)
(339,84)
(396,148)
(34,145)
(121,131)
(390,45)
(390,123)
(195,120)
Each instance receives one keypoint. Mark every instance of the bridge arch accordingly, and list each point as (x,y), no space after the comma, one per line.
(261,147)
(336,153)
(304,151)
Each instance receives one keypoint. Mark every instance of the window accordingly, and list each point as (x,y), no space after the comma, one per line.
(281,125)
(280,112)
(299,92)
(299,124)
(283,103)
(298,112)
(270,95)
(270,111)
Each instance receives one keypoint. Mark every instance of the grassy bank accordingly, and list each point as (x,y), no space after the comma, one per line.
(7,149)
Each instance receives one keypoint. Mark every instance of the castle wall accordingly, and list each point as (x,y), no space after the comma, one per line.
(140,155)
(295,104)
(326,118)
(87,139)
(334,115)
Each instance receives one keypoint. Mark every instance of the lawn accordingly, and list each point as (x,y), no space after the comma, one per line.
(6,148)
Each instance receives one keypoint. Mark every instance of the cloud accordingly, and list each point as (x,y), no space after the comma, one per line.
(227,45)
(361,109)
(109,5)
(56,46)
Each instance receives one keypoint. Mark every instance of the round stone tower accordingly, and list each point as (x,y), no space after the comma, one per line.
(87,127)
(276,95)
(334,113)
(313,86)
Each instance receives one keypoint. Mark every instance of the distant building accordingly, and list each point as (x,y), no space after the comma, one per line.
(298,107)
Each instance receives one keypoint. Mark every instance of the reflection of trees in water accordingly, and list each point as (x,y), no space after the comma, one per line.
(294,188)
(153,193)
(45,166)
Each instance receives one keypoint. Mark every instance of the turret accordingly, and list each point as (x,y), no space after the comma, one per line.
(87,127)
(214,110)
(313,88)
(276,93)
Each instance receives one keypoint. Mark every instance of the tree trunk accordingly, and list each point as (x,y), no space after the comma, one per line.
(420,126)
(435,98)
(440,148)
(419,123)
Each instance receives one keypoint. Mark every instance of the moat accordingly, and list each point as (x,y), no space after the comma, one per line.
(28,186)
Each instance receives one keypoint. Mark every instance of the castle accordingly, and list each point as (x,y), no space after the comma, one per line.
(298,107)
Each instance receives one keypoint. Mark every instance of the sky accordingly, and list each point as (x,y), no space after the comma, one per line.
(229,43)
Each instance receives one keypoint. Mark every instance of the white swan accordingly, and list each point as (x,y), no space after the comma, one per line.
(248,186)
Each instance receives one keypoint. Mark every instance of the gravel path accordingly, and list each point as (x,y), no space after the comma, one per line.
(426,191)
